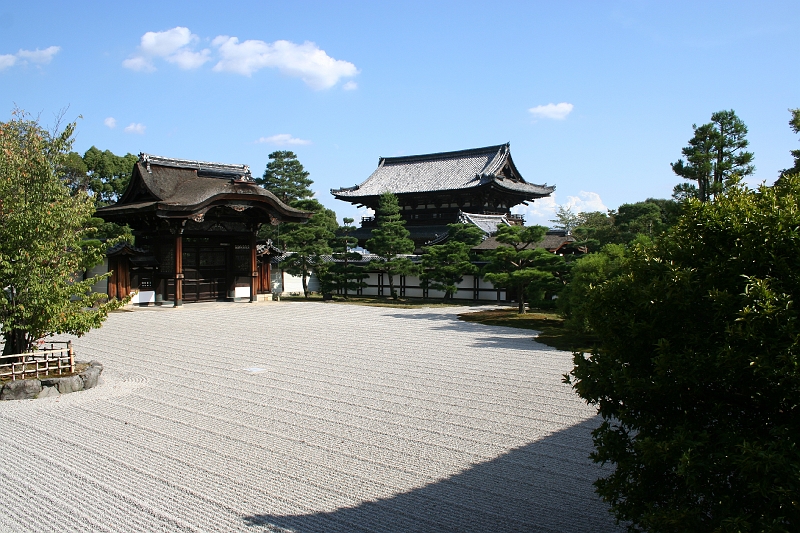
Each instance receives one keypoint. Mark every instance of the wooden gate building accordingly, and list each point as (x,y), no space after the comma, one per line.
(196,226)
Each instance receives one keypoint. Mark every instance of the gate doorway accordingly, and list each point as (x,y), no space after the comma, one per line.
(205,270)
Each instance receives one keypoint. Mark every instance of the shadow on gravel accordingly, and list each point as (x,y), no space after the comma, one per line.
(543,486)
(485,336)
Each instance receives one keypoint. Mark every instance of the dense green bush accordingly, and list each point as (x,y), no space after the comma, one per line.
(588,272)
(697,376)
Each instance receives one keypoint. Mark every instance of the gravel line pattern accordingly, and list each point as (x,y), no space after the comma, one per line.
(305,417)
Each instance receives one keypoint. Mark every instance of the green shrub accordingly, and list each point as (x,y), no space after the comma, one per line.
(697,377)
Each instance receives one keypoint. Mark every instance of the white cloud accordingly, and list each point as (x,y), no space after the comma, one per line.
(7,60)
(553,111)
(350,86)
(305,61)
(186,59)
(585,202)
(111,122)
(139,63)
(541,211)
(282,139)
(172,45)
(135,127)
(165,43)
(41,57)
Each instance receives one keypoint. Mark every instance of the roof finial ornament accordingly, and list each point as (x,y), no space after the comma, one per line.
(145,158)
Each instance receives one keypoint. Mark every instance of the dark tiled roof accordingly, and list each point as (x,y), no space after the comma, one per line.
(183,186)
(445,171)
(553,241)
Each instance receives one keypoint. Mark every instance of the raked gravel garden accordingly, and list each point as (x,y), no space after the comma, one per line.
(306,417)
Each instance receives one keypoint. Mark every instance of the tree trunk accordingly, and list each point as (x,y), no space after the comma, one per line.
(521,298)
(346,274)
(391,285)
(16,341)
(305,283)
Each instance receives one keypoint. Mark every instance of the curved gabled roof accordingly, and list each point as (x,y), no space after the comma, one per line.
(179,187)
(445,171)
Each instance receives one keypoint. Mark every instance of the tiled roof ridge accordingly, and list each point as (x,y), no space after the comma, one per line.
(222,168)
(382,161)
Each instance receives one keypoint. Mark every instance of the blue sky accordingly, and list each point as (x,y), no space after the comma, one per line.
(343,83)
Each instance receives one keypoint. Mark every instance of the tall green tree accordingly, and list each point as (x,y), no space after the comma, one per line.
(794,123)
(108,175)
(595,229)
(75,173)
(309,242)
(697,376)
(517,264)
(444,266)
(286,178)
(716,153)
(588,272)
(43,240)
(346,276)
(390,239)
(566,219)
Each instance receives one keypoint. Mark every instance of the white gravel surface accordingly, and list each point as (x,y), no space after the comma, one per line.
(305,417)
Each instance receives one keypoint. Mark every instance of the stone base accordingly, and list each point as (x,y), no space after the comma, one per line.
(26,389)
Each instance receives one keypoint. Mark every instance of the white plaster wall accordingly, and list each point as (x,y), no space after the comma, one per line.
(294,284)
(102,268)
(143,297)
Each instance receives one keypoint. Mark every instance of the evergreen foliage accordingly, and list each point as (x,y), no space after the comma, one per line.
(286,178)
(346,276)
(588,272)
(308,242)
(519,264)
(444,266)
(697,376)
(794,123)
(107,175)
(43,246)
(390,239)
(714,156)
(650,218)
(565,219)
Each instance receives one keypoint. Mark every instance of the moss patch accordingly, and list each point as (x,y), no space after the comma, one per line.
(549,324)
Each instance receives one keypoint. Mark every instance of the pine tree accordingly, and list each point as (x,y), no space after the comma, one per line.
(286,178)
(345,275)
(715,157)
(309,242)
(794,123)
(518,264)
(390,239)
(445,265)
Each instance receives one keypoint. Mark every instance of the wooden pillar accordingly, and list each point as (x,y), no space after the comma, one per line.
(124,288)
(253,269)
(179,268)
(112,280)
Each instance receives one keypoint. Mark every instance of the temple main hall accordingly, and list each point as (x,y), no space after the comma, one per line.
(477,186)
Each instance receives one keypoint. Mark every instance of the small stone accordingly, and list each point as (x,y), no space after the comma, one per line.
(49,392)
(21,389)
